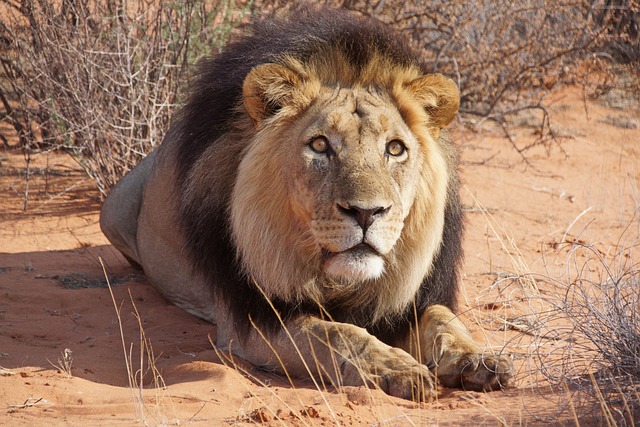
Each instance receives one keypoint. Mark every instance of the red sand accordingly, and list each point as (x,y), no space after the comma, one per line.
(52,295)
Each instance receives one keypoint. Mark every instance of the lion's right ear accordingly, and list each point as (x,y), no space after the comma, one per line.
(271,88)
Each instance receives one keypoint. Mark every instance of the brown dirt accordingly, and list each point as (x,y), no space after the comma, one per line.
(522,218)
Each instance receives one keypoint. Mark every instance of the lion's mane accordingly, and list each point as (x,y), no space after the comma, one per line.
(213,131)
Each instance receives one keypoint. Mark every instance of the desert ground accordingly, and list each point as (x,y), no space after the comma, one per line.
(72,352)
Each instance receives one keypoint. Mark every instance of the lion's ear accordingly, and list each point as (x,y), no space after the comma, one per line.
(438,95)
(270,88)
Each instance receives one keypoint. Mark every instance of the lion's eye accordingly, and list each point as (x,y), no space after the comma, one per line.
(319,144)
(395,148)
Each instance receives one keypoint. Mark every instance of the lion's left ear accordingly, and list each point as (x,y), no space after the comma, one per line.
(438,95)
(270,88)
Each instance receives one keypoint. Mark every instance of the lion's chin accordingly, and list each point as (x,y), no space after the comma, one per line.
(355,264)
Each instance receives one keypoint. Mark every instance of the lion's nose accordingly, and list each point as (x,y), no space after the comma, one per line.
(364,217)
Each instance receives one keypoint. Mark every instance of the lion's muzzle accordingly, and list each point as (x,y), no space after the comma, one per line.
(356,253)
(363,216)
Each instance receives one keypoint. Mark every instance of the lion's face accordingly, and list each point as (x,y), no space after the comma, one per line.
(351,173)
(341,192)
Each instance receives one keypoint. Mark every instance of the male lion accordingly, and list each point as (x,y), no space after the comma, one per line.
(305,201)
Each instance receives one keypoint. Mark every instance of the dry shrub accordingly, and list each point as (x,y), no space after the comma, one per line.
(579,325)
(595,321)
(504,54)
(620,20)
(101,79)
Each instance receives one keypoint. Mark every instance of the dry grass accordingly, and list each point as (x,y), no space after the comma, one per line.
(580,335)
(595,313)
(575,330)
(145,410)
(64,363)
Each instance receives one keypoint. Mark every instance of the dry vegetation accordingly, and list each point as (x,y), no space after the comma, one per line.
(598,305)
(582,328)
(101,80)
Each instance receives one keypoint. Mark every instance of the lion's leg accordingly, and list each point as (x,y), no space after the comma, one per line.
(342,353)
(444,344)
(119,214)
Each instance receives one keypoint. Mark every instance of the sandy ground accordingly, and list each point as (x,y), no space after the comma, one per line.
(523,217)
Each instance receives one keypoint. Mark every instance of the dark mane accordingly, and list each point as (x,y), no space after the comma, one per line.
(214,109)
(217,88)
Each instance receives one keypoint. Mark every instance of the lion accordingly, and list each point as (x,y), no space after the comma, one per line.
(305,201)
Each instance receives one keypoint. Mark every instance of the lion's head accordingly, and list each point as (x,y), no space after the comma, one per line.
(341,191)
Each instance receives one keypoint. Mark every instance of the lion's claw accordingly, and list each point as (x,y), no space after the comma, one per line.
(479,373)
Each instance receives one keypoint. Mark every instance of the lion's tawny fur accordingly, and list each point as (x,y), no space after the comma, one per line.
(307,191)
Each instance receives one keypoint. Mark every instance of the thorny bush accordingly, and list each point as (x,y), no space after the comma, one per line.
(101,79)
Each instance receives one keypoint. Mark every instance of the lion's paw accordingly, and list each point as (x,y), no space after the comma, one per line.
(394,372)
(477,372)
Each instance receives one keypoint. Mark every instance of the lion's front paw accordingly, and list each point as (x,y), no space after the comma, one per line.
(393,371)
(476,371)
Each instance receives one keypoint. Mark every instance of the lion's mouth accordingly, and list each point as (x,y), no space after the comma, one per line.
(362,249)
(358,263)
